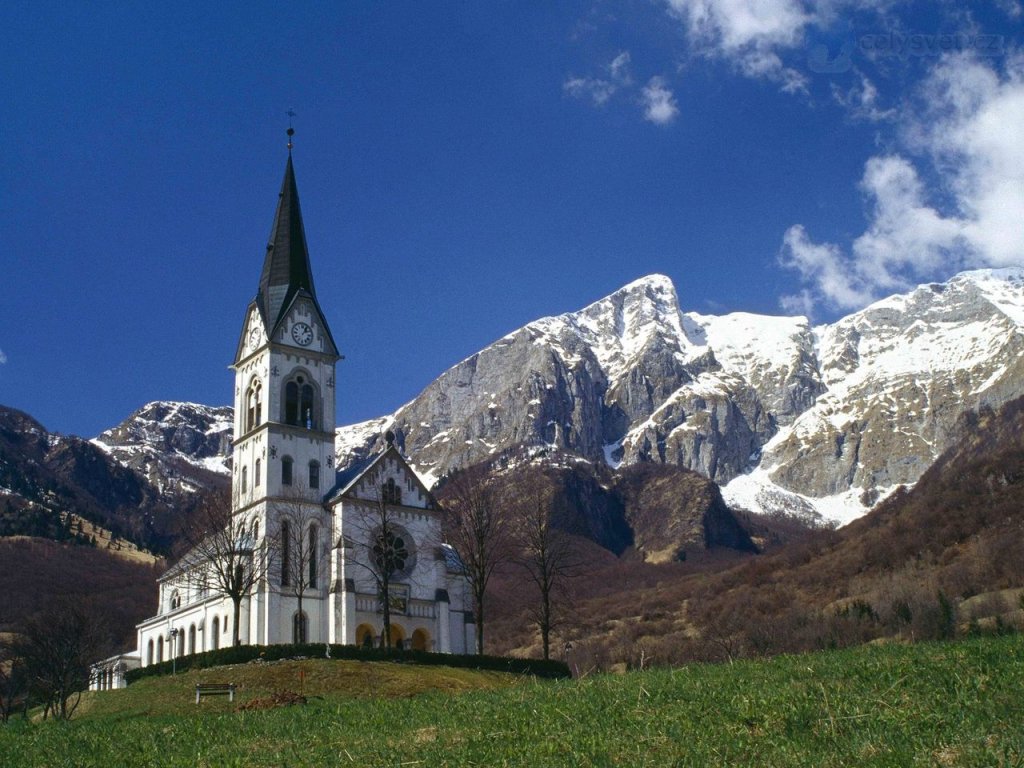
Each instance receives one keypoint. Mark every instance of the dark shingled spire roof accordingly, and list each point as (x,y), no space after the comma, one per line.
(286,269)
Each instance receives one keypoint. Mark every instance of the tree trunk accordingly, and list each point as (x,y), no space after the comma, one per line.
(545,626)
(238,614)
(386,602)
(480,625)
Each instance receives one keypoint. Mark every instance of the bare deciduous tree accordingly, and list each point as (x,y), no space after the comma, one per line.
(548,556)
(13,678)
(477,528)
(386,554)
(56,648)
(227,555)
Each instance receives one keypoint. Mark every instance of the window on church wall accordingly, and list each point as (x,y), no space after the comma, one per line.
(391,493)
(312,556)
(253,405)
(245,479)
(314,474)
(149,652)
(159,649)
(192,639)
(291,403)
(286,470)
(393,552)
(299,627)
(216,633)
(286,553)
(256,477)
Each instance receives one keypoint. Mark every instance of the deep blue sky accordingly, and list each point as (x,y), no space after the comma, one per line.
(464,168)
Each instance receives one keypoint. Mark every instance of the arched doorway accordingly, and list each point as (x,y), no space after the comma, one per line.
(364,636)
(420,640)
(300,627)
(397,637)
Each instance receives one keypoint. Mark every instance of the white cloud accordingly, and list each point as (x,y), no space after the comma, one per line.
(600,89)
(825,267)
(656,98)
(750,33)
(3,357)
(619,68)
(862,101)
(972,127)
(659,104)
(738,25)
(966,122)
(1011,8)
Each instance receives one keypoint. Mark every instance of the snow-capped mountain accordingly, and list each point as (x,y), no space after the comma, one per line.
(897,376)
(815,421)
(184,445)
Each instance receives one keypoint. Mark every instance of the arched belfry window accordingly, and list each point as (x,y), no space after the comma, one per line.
(253,405)
(300,403)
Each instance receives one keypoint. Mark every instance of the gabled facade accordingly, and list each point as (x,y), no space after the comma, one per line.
(384,515)
(324,529)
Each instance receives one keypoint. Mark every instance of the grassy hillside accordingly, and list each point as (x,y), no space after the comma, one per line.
(952,704)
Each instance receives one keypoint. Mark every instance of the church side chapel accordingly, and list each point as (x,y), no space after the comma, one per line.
(319,548)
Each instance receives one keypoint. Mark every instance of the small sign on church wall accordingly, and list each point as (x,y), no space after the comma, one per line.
(398,599)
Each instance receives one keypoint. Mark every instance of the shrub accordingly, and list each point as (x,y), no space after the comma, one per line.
(246,653)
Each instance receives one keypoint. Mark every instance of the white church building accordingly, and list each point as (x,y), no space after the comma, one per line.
(338,527)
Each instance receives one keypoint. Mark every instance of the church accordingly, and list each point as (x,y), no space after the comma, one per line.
(327,544)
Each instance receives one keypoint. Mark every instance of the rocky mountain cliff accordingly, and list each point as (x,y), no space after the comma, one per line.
(52,486)
(181,447)
(654,513)
(820,422)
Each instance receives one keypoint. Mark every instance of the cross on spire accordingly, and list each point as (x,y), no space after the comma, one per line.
(291,131)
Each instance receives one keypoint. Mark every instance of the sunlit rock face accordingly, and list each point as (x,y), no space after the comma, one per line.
(816,421)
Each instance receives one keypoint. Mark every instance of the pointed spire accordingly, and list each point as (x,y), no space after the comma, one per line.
(286,268)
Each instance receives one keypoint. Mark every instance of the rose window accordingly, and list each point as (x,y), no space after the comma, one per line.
(391,553)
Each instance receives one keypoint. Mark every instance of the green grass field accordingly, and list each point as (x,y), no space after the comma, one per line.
(954,704)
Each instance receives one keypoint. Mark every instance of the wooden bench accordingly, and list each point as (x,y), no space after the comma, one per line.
(215,689)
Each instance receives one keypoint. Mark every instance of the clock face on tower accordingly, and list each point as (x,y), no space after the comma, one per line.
(302,334)
(254,337)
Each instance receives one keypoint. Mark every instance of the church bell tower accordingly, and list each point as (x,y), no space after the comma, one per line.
(283,448)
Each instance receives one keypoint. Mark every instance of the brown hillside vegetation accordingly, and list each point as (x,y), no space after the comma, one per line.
(925,564)
(37,573)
